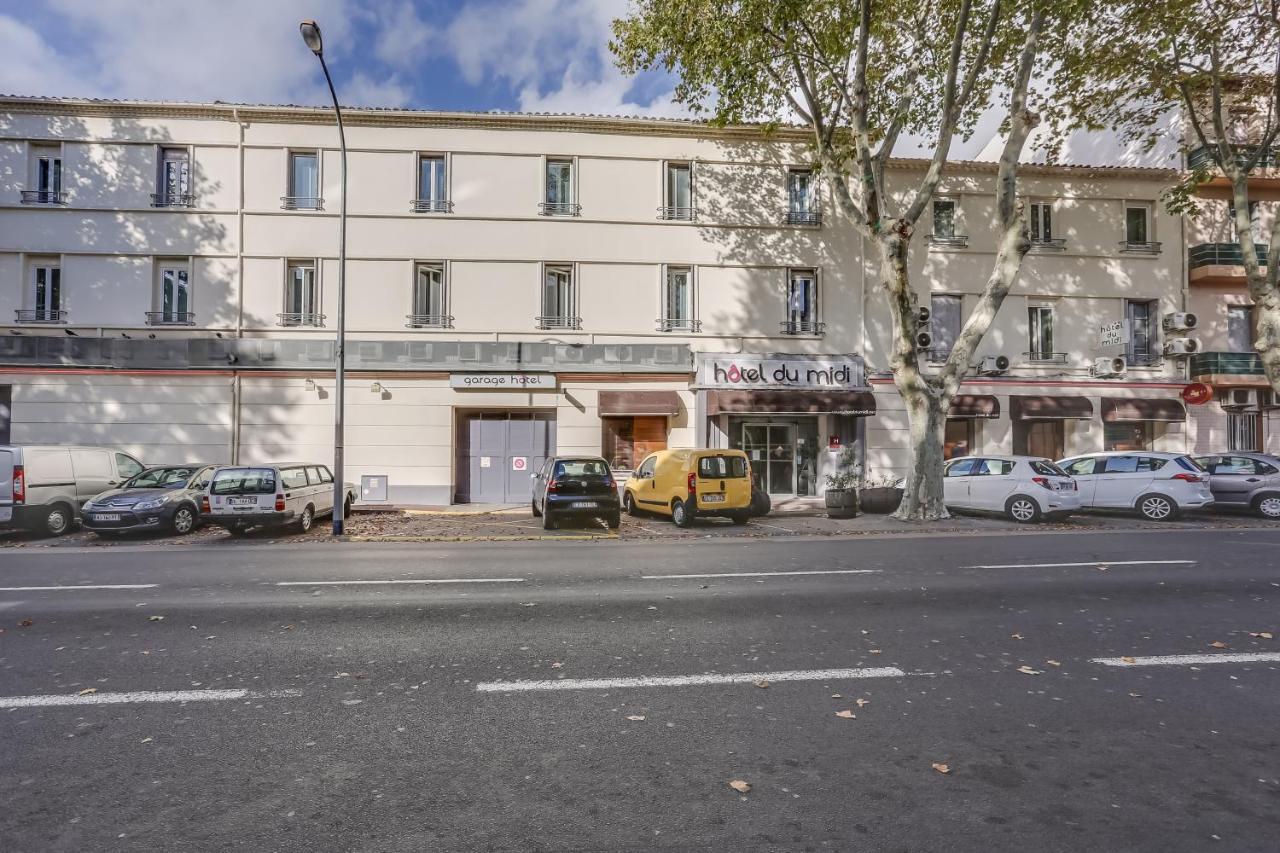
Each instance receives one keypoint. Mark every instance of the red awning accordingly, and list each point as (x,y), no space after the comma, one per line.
(639,403)
(974,406)
(1128,409)
(792,402)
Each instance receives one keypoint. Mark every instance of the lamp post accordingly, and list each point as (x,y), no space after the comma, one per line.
(311,35)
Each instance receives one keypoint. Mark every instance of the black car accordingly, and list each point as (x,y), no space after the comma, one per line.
(580,486)
(164,497)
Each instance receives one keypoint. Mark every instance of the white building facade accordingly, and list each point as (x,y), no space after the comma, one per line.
(521,285)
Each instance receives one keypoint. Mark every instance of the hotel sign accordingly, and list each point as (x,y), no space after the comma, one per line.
(782,371)
(504,381)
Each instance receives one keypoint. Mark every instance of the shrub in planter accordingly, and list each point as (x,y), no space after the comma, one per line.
(842,492)
(842,503)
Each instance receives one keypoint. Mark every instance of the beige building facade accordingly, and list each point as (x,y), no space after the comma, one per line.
(521,285)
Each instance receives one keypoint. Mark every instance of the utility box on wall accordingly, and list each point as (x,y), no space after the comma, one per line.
(373,488)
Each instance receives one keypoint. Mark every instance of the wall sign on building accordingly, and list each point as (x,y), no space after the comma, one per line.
(504,381)
(781,371)
(1113,334)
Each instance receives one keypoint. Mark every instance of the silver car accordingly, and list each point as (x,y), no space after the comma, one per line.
(1245,481)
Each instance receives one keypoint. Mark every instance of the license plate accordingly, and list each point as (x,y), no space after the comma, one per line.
(6,513)
(583,505)
(242,501)
(106,516)
(713,499)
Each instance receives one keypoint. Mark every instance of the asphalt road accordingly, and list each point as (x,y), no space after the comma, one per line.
(563,697)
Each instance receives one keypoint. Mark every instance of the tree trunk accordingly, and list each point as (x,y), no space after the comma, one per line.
(922,498)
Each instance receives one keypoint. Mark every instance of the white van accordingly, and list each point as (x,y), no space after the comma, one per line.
(241,497)
(43,487)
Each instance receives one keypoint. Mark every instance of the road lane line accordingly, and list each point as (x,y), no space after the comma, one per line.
(413,581)
(1089,563)
(763,574)
(84,586)
(1189,660)
(144,696)
(690,680)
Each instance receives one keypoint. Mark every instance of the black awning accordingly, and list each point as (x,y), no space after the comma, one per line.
(641,403)
(1037,408)
(1127,409)
(974,406)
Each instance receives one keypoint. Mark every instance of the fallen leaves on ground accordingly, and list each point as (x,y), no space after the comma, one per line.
(862,703)
(155,618)
(836,696)
(1218,644)
(1015,636)
(875,651)
(846,714)
(88,691)
(762,684)
(740,786)
(25,623)
(1128,659)
(1054,662)
(944,769)
(636,718)
(1266,635)
(1026,670)
(557,665)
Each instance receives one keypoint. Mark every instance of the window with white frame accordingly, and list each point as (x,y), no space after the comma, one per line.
(174,181)
(1144,331)
(802,198)
(1240,328)
(1040,333)
(558,193)
(802,303)
(944,224)
(678,192)
(944,324)
(45,303)
(173,294)
(430,303)
(1137,225)
(558,298)
(1041,213)
(304,182)
(433,186)
(301,302)
(677,301)
(45,176)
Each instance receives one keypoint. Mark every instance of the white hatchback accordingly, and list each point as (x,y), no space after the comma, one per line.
(1158,485)
(1026,488)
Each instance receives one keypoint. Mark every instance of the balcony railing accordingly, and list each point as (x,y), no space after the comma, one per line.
(1226,363)
(1049,244)
(803,327)
(950,241)
(173,200)
(429,321)
(39,315)
(1222,255)
(810,218)
(171,318)
(1143,359)
(559,322)
(673,325)
(559,208)
(1045,357)
(44,197)
(432,205)
(683,214)
(301,202)
(1140,247)
(299,318)
(1202,156)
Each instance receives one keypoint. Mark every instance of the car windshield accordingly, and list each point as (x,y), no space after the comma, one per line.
(581,468)
(1047,468)
(244,481)
(161,478)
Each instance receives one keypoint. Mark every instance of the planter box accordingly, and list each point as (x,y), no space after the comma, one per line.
(842,503)
(881,500)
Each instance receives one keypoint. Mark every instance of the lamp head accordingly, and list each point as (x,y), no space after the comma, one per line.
(311,35)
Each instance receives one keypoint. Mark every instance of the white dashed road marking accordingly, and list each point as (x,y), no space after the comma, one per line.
(84,586)
(146,696)
(1190,660)
(1090,563)
(690,680)
(411,581)
(764,574)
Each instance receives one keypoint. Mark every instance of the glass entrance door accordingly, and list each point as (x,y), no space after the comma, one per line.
(772,450)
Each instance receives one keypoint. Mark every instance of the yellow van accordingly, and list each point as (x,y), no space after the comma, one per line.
(685,484)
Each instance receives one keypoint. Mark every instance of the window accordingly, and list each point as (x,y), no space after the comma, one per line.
(960,438)
(944,325)
(127,466)
(48,173)
(430,307)
(802,304)
(677,301)
(1240,328)
(1040,328)
(300,303)
(647,467)
(801,201)
(1255,222)
(1125,436)
(1042,226)
(678,192)
(1144,337)
(1045,439)
(294,478)
(244,481)
(304,182)
(628,440)
(944,224)
(992,468)
(557,299)
(46,295)
(722,467)
(558,200)
(962,468)
(433,187)
(1236,465)
(173,187)
(1242,431)
(313,476)
(45,176)
(1047,469)
(1133,464)
(173,302)
(1081,467)
(1135,226)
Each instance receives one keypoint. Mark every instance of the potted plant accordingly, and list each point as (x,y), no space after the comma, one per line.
(881,495)
(842,486)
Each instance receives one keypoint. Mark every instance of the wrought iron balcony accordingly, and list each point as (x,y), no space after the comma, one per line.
(683,214)
(1222,255)
(1140,247)
(301,202)
(171,318)
(1226,364)
(1143,359)
(432,205)
(803,327)
(429,321)
(39,315)
(559,322)
(950,241)
(1045,357)
(173,200)
(1049,244)
(300,318)
(1202,156)
(44,197)
(674,325)
(809,218)
(559,208)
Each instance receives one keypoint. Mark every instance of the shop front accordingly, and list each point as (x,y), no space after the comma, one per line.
(1041,422)
(964,423)
(1138,424)
(793,415)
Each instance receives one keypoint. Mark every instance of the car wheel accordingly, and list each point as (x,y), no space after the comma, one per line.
(346,508)
(614,520)
(57,520)
(629,504)
(1157,508)
(681,514)
(740,518)
(533,508)
(548,520)
(1268,506)
(238,530)
(1022,509)
(306,519)
(184,519)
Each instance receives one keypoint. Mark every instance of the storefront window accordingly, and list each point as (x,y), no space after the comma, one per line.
(1044,438)
(783,452)
(1242,431)
(1131,435)
(627,441)
(960,438)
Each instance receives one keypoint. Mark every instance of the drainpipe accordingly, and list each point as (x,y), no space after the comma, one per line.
(235,114)
(235,418)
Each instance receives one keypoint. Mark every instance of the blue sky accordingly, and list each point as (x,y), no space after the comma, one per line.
(531,55)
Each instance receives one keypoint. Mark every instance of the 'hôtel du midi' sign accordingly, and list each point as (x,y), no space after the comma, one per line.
(782,370)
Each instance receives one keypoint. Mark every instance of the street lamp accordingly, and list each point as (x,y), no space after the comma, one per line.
(311,35)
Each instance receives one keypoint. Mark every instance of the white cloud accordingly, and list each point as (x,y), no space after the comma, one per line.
(364,91)
(28,66)
(402,37)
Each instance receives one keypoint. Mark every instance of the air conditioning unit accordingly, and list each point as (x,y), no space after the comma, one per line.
(1239,398)
(1110,365)
(924,340)
(468,351)
(1181,346)
(571,353)
(1179,321)
(994,365)
(923,316)
(617,354)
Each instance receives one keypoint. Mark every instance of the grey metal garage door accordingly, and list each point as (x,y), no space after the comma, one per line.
(497,451)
